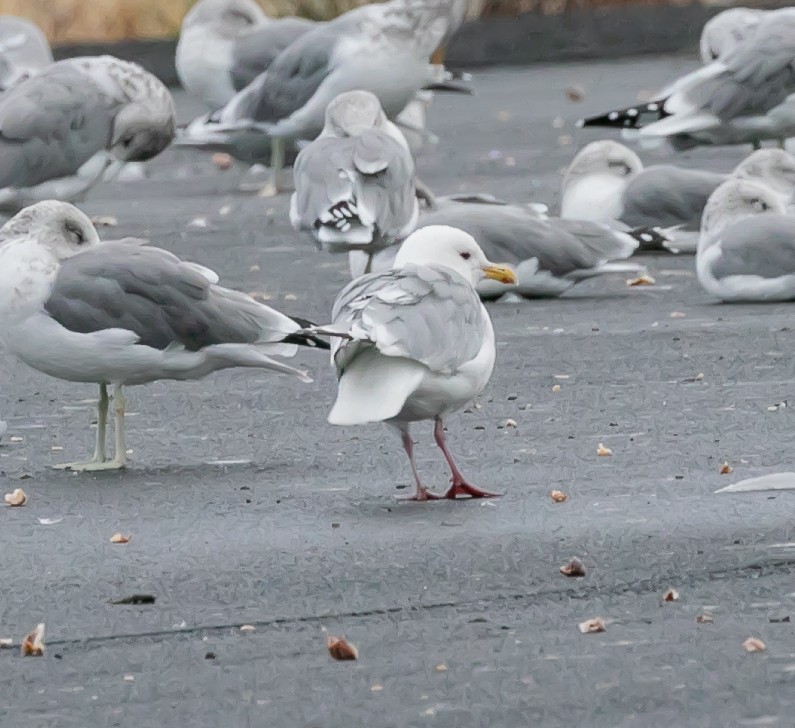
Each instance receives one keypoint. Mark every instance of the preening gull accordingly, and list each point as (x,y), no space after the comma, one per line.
(548,255)
(415,341)
(354,185)
(382,48)
(121,314)
(63,127)
(24,50)
(728,29)
(607,182)
(747,246)
(742,98)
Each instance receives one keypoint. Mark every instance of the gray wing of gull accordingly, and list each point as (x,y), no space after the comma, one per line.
(23,49)
(50,124)
(254,51)
(760,245)
(666,195)
(512,234)
(425,313)
(160,298)
(373,170)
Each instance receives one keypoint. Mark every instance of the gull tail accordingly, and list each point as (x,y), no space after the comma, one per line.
(605,269)
(303,337)
(634,117)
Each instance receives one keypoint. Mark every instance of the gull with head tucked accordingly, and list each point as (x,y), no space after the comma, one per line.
(415,343)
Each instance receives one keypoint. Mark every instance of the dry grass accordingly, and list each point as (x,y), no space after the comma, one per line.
(70,21)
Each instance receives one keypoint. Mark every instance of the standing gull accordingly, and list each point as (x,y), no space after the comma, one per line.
(415,342)
(381,48)
(122,314)
(354,185)
(62,128)
(24,50)
(206,46)
(747,246)
(742,98)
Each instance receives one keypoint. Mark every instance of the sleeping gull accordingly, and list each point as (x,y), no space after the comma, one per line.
(24,50)
(381,48)
(742,98)
(773,167)
(123,314)
(65,125)
(724,32)
(354,185)
(747,246)
(607,182)
(415,342)
(549,255)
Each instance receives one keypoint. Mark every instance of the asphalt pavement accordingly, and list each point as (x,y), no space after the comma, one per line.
(246,507)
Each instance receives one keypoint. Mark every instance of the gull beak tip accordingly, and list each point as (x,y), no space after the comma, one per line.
(501,273)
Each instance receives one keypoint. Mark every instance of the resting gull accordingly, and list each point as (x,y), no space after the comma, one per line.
(64,126)
(607,182)
(742,98)
(124,314)
(354,185)
(723,33)
(381,48)
(415,342)
(24,50)
(747,246)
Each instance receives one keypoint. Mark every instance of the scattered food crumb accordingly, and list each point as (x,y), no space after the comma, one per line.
(15,438)
(222,161)
(198,222)
(705,618)
(16,498)
(33,643)
(589,626)
(119,538)
(104,221)
(441,667)
(247,628)
(254,268)
(225,210)
(671,596)
(558,496)
(556,388)
(603,451)
(290,297)
(508,423)
(573,568)
(677,314)
(754,644)
(725,469)
(575,93)
(129,678)
(376,688)
(642,280)
(340,649)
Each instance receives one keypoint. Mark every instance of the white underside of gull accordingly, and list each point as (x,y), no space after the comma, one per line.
(596,198)
(741,288)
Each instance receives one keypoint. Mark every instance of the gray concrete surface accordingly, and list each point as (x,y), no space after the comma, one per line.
(305,532)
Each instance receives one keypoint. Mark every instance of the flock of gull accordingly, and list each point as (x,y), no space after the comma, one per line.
(343,103)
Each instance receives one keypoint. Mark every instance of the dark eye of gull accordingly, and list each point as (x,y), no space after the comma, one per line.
(466,256)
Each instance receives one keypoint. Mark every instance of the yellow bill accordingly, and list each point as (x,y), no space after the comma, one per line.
(501,273)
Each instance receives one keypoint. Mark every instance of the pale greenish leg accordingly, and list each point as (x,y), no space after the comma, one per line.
(120,456)
(277,165)
(102,422)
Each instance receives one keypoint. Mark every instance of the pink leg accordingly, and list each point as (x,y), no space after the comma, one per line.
(460,485)
(422,493)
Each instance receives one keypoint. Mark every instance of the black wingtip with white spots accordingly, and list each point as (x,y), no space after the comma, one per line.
(651,238)
(634,117)
(303,338)
(341,216)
